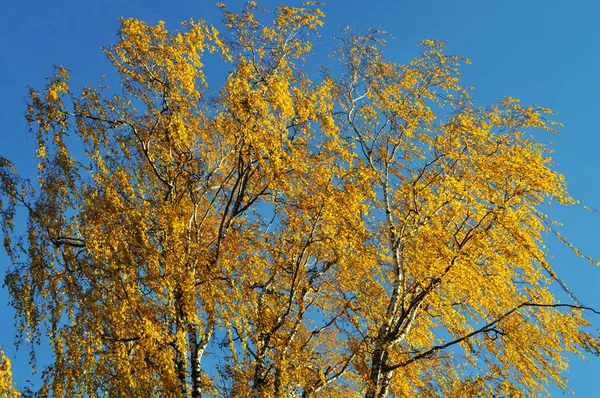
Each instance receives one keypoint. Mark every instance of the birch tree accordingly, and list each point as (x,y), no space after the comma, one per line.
(367,230)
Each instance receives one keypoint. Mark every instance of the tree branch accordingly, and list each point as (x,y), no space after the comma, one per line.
(484,329)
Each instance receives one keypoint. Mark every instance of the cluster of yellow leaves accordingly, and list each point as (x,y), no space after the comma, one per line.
(369,233)
(7,387)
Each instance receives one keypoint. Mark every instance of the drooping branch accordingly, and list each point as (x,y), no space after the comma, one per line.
(490,327)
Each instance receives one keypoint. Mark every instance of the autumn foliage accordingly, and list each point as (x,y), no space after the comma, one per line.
(366,230)
(7,387)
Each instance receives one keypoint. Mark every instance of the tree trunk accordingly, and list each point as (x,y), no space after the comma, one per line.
(197,350)
(378,379)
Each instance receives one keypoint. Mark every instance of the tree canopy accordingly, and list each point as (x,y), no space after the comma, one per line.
(365,229)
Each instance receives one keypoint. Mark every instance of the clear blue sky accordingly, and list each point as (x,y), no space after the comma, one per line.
(545,52)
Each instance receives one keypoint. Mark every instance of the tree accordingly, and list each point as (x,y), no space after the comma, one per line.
(367,231)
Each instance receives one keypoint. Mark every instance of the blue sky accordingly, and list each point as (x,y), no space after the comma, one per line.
(543,52)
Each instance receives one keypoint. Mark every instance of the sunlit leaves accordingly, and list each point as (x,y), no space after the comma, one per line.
(7,387)
(365,232)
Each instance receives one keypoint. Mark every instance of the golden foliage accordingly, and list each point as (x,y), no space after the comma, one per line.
(7,387)
(372,232)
